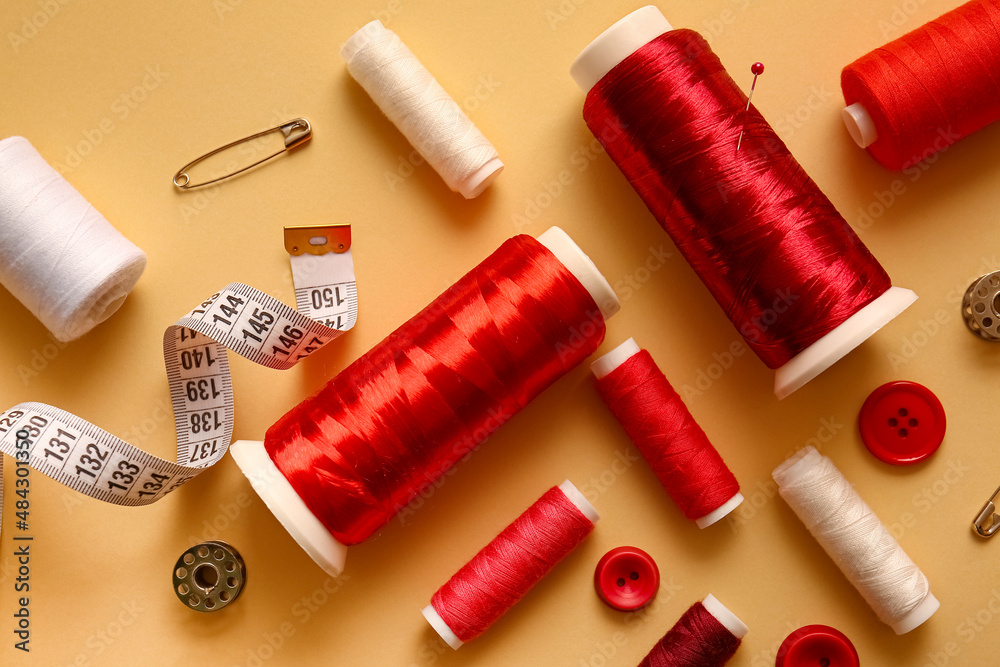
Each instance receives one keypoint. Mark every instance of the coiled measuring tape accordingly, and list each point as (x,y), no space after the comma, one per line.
(251,323)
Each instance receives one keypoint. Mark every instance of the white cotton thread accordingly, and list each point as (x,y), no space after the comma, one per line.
(423,111)
(60,257)
(860,545)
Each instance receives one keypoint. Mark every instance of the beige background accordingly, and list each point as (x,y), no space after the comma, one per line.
(122,94)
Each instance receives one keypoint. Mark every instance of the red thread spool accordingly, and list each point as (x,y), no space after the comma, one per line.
(924,91)
(707,635)
(508,567)
(791,275)
(340,464)
(666,434)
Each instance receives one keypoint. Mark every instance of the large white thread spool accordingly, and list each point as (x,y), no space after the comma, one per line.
(423,111)
(58,255)
(856,540)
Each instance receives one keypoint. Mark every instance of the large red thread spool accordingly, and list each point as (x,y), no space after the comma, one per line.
(503,571)
(343,462)
(707,635)
(786,268)
(665,433)
(920,93)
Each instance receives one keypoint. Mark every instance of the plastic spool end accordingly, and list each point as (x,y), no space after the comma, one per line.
(722,614)
(829,349)
(720,512)
(796,466)
(286,505)
(360,39)
(482,178)
(917,615)
(578,499)
(580,265)
(860,124)
(434,618)
(616,43)
(603,365)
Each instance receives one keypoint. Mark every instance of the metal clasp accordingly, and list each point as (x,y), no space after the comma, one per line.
(295,132)
(987,523)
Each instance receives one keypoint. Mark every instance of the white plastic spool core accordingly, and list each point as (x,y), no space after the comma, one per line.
(286,505)
(574,495)
(635,30)
(727,618)
(475,183)
(792,470)
(604,365)
(859,124)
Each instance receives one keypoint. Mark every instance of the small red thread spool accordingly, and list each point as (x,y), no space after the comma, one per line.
(707,635)
(922,92)
(784,265)
(343,462)
(666,434)
(508,567)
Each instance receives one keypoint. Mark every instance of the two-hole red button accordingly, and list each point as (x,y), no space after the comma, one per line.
(902,422)
(817,646)
(626,578)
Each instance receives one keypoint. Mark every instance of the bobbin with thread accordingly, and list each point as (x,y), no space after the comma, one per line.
(981,307)
(865,303)
(521,554)
(666,434)
(429,118)
(706,635)
(286,502)
(920,93)
(58,255)
(854,538)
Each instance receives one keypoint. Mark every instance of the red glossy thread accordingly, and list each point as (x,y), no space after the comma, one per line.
(698,639)
(774,252)
(667,436)
(400,416)
(931,87)
(509,566)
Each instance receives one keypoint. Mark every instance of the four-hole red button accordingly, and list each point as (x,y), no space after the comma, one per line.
(817,646)
(902,422)
(626,578)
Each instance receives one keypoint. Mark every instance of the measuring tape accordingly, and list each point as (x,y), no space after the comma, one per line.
(94,462)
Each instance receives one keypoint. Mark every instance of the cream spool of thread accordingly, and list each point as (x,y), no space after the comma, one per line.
(856,540)
(423,111)
(60,257)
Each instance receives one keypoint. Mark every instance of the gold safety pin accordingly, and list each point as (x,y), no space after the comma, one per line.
(296,133)
(988,523)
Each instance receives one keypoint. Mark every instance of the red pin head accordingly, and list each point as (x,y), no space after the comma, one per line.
(757,69)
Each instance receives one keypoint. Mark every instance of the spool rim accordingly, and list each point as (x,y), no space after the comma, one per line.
(616,43)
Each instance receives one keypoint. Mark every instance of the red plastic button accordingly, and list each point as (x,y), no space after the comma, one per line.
(817,646)
(626,578)
(902,422)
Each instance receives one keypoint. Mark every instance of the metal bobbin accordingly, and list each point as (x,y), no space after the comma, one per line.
(981,306)
(209,576)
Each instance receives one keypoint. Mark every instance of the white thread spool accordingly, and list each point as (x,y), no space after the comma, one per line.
(423,111)
(856,540)
(60,257)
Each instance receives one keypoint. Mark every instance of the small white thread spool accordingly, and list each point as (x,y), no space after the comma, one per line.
(423,111)
(856,540)
(58,255)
